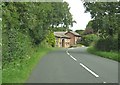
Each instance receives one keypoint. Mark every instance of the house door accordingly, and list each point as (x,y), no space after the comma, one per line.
(63,42)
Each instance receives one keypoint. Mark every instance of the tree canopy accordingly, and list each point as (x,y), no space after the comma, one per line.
(80,32)
(27,24)
(105,17)
(35,18)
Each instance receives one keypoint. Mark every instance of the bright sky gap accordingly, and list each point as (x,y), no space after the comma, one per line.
(78,11)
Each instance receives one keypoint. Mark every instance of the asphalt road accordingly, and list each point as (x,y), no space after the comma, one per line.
(74,65)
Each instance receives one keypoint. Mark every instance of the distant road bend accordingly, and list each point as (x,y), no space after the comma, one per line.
(74,65)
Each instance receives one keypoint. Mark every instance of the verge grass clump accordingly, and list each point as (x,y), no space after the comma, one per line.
(114,55)
(20,72)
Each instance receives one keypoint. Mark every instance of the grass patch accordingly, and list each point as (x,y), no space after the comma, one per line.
(20,72)
(0,71)
(79,45)
(0,76)
(109,55)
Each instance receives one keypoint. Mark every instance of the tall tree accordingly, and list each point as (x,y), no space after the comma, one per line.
(36,18)
(105,17)
(80,31)
(30,20)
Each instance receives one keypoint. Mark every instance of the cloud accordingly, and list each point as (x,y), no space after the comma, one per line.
(77,10)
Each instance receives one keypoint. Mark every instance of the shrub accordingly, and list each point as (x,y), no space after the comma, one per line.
(105,54)
(15,45)
(50,39)
(119,41)
(87,40)
(108,44)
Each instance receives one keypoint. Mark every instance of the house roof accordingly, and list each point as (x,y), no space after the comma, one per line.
(74,33)
(61,34)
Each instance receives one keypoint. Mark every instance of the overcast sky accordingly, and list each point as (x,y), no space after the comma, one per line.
(77,10)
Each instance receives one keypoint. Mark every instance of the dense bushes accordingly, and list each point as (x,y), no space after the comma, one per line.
(50,39)
(26,25)
(15,46)
(111,55)
(119,40)
(108,44)
(88,39)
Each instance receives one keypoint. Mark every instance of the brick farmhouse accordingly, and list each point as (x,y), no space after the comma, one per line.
(66,39)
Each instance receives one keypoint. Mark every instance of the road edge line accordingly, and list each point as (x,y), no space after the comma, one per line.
(93,73)
(71,56)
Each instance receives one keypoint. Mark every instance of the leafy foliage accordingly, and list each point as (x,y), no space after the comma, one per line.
(50,39)
(87,40)
(105,22)
(79,31)
(108,44)
(55,29)
(110,55)
(105,17)
(26,25)
(119,40)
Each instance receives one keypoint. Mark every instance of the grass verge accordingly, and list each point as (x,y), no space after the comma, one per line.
(110,55)
(0,76)
(0,71)
(79,45)
(20,72)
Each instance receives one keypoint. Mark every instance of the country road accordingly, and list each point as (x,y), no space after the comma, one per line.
(74,65)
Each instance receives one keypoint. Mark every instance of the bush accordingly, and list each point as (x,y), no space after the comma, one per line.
(87,40)
(108,44)
(119,41)
(105,54)
(15,46)
(50,39)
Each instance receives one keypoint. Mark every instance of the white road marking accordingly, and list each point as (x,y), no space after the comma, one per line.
(93,73)
(104,82)
(71,48)
(71,56)
(68,53)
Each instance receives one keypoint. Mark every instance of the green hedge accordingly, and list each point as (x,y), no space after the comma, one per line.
(15,46)
(108,44)
(110,55)
(50,39)
(87,40)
